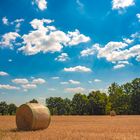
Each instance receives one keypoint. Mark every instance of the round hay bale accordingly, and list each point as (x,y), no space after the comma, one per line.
(32,116)
(112,113)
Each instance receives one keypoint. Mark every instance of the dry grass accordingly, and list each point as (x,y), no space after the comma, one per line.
(76,128)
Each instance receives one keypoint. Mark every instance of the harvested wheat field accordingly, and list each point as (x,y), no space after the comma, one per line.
(76,128)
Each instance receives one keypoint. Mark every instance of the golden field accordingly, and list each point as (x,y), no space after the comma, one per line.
(76,128)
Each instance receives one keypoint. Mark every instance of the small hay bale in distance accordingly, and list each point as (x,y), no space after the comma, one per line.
(112,113)
(32,116)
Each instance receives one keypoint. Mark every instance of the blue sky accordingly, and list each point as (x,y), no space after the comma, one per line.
(52,48)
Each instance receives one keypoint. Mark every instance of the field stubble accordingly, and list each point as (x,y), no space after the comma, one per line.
(76,128)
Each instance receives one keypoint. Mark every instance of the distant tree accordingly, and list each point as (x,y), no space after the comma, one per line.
(108,106)
(97,103)
(127,88)
(3,108)
(79,104)
(119,99)
(12,109)
(33,101)
(58,106)
(135,97)
(67,106)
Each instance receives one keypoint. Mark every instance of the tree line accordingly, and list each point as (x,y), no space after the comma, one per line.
(123,99)
(10,109)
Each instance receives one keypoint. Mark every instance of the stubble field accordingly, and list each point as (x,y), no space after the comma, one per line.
(76,128)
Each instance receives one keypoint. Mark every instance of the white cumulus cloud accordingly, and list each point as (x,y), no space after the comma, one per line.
(62,57)
(75,90)
(118,51)
(89,51)
(97,80)
(121,4)
(16,23)
(138,16)
(8,39)
(118,66)
(45,38)
(74,82)
(64,83)
(29,86)
(20,81)
(8,87)
(42,4)
(77,69)
(128,41)
(76,38)
(5,20)
(38,81)
(2,73)
(55,78)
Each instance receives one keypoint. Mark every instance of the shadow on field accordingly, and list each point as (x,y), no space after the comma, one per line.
(23,131)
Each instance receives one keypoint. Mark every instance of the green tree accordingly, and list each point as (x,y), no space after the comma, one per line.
(97,103)
(58,106)
(135,97)
(79,104)
(119,99)
(12,109)
(67,106)
(3,108)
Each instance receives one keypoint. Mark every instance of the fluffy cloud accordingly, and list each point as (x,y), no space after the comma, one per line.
(89,51)
(121,4)
(45,38)
(76,38)
(118,66)
(78,69)
(128,41)
(64,83)
(138,16)
(121,64)
(8,39)
(9,87)
(38,81)
(138,58)
(63,57)
(29,86)
(55,78)
(20,81)
(118,53)
(39,24)
(26,84)
(37,41)
(16,23)
(75,90)
(2,73)
(10,60)
(70,82)
(114,51)
(42,4)
(5,21)
(135,35)
(97,80)
(74,82)
(110,51)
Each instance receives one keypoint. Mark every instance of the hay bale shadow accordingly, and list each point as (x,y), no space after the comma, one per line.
(15,130)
